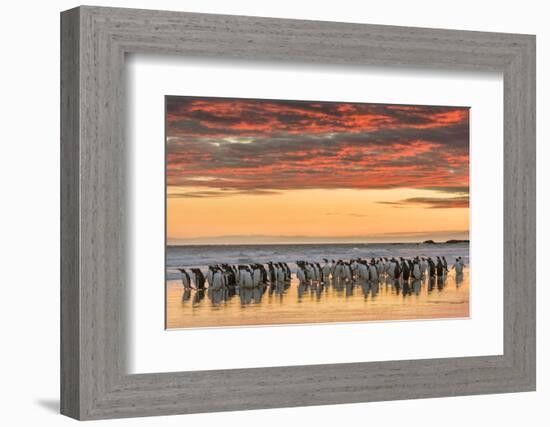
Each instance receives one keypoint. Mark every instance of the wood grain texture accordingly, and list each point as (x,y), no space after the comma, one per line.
(70,297)
(95,383)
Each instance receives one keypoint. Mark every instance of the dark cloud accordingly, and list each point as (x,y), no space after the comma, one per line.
(433,202)
(457,189)
(221,193)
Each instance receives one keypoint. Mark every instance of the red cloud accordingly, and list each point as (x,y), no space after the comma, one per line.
(255,145)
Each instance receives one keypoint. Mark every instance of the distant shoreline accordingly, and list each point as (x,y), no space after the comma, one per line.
(447,242)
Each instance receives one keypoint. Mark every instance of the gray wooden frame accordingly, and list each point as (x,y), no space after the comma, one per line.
(94,382)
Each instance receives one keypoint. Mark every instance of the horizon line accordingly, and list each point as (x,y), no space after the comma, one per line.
(420,237)
(321,243)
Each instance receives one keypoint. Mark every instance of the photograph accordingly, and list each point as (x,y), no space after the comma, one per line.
(295,212)
(303,212)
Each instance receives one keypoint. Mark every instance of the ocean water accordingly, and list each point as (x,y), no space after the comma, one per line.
(200,256)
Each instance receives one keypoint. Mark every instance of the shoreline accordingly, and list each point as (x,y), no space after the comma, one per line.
(427,243)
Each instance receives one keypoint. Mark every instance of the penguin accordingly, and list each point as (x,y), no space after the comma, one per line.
(397,270)
(379,266)
(316,272)
(300,273)
(210,275)
(405,270)
(327,268)
(363,271)
(272,276)
(246,278)
(310,272)
(439,267)
(431,267)
(199,278)
(288,273)
(228,274)
(185,279)
(423,266)
(353,266)
(263,274)
(337,273)
(458,266)
(388,267)
(256,276)
(281,272)
(347,272)
(391,268)
(332,267)
(217,282)
(445,264)
(416,270)
(373,272)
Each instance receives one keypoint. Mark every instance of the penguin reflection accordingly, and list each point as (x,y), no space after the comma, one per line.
(349,289)
(416,285)
(186,295)
(406,288)
(257,294)
(365,286)
(216,296)
(301,290)
(374,289)
(431,283)
(198,297)
(396,286)
(440,282)
(319,291)
(246,295)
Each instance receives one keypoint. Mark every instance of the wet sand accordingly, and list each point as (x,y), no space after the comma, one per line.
(426,299)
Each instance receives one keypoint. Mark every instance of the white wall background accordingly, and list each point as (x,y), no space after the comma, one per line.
(29,224)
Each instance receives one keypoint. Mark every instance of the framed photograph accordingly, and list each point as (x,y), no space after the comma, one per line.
(315,212)
(276,213)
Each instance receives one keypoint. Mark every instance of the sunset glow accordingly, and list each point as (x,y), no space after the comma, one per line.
(261,171)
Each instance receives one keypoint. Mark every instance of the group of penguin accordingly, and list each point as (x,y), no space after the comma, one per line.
(246,276)
(364,270)
(278,274)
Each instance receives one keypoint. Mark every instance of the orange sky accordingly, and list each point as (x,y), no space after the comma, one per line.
(260,171)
